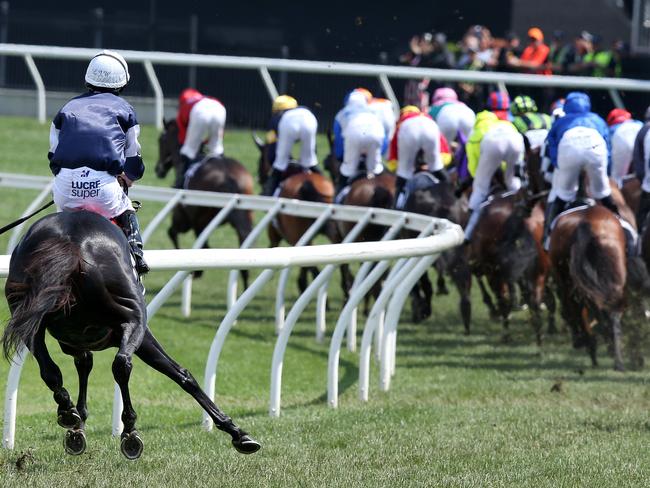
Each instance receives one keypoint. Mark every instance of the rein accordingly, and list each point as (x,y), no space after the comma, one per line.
(23,219)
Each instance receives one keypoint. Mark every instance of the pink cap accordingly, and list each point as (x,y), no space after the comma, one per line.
(443,95)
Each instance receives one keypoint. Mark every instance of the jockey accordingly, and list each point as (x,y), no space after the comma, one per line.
(290,123)
(357,132)
(640,158)
(93,145)
(383,108)
(577,141)
(199,117)
(451,115)
(622,130)
(491,143)
(531,124)
(416,132)
(499,103)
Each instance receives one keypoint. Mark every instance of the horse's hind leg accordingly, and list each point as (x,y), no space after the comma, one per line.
(67,415)
(487,299)
(152,353)
(131,444)
(549,300)
(617,335)
(75,439)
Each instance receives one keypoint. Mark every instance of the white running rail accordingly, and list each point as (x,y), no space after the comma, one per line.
(264,65)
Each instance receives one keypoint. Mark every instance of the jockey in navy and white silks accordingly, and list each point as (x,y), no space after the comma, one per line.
(358,132)
(640,160)
(578,141)
(93,141)
(623,130)
(200,118)
(451,115)
(290,123)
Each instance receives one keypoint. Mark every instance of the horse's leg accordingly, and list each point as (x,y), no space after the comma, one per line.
(500,290)
(549,300)
(463,279)
(67,415)
(427,295)
(152,353)
(75,439)
(532,294)
(617,335)
(131,445)
(302,280)
(441,285)
(416,302)
(346,280)
(487,299)
(242,222)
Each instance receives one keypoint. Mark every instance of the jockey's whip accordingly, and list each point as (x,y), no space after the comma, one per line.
(26,217)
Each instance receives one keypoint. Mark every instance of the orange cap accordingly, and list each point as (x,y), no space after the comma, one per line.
(536,33)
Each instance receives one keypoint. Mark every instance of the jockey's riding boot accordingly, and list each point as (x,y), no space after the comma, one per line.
(441,175)
(341,183)
(554,209)
(400,183)
(272,182)
(180,175)
(642,212)
(131,228)
(315,169)
(608,202)
(474,216)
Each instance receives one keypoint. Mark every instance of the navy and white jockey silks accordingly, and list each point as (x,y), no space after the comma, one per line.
(98,131)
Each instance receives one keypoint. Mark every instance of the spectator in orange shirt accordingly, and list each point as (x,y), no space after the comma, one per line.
(535,56)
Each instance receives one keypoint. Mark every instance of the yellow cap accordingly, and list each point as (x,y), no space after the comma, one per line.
(409,109)
(284,102)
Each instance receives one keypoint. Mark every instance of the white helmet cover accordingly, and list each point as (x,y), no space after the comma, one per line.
(107,69)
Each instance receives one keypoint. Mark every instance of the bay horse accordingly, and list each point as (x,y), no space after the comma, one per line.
(300,185)
(218,174)
(593,276)
(71,275)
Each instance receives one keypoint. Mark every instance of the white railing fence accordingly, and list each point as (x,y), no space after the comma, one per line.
(413,257)
(265,65)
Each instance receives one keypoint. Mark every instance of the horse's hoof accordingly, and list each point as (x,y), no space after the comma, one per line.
(442,291)
(75,442)
(131,445)
(69,419)
(246,444)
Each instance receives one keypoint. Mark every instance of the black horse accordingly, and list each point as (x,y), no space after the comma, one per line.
(71,274)
(223,174)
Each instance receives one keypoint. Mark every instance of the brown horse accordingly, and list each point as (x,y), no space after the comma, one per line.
(221,174)
(301,185)
(507,249)
(590,270)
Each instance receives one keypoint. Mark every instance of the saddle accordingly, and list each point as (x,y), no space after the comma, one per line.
(422,180)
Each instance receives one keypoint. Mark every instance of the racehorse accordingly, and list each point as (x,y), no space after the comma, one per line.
(220,174)
(365,190)
(507,250)
(301,185)
(71,275)
(591,272)
(438,200)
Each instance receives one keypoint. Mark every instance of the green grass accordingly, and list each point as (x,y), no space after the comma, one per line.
(462,410)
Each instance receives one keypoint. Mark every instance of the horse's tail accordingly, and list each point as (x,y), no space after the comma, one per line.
(48,287)
(309,193)
(381,198)
(593,269)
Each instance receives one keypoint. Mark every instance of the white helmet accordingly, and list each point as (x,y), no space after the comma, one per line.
(107,69)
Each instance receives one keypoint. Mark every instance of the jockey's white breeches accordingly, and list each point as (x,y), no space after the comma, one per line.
(415,134)
(364,135)
(207,122)
(581,148)
(297,125)
(499,145)
(86,189)
(622,147)
(454,118)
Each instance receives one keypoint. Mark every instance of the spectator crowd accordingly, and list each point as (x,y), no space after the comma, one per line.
(584,55)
